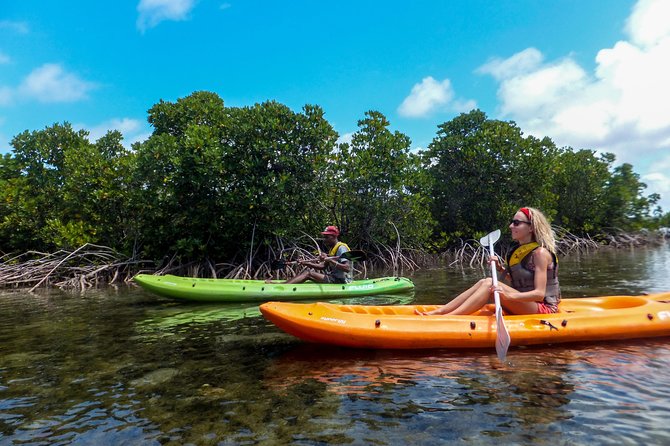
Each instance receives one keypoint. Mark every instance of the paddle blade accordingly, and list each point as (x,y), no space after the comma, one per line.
(503,339)
(490,238)
(356,256)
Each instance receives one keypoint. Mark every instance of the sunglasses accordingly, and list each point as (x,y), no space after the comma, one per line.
(518,222)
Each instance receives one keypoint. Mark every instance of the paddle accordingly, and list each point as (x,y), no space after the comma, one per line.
(502,335)
(353,255)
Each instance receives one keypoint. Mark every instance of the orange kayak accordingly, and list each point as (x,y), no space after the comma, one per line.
(398,327)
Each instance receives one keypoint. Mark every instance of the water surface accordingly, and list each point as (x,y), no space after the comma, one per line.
(121,366)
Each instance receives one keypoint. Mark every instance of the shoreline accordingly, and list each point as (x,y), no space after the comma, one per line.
(93,266)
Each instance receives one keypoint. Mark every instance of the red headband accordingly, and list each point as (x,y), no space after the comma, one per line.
(526,212)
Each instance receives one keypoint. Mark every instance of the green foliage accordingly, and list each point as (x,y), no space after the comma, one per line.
(377,186)
(211,178)
(579,182)
(481,171)
(222,182)
(61,191)
(624,206)
(662,220)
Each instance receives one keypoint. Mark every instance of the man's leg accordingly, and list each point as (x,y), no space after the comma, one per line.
(306,275)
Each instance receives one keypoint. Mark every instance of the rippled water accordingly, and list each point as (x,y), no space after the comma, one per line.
(125,367)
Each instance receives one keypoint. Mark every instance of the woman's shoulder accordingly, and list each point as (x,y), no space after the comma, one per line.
(543,253)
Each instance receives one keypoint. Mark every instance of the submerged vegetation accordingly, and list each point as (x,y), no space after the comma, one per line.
(222,190)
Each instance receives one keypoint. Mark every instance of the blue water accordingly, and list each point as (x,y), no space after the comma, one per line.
(121,366)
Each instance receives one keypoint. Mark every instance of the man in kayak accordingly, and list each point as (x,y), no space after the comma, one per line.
(532,269)
(328,268)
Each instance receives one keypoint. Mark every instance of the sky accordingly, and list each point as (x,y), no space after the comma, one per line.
(590,74)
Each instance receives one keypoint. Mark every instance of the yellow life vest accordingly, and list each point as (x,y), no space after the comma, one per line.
(523,279)
(334,249)
(521,252)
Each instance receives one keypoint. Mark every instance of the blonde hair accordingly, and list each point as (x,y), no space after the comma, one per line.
(542,231)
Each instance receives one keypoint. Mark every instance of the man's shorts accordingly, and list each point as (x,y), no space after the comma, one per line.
(329,278)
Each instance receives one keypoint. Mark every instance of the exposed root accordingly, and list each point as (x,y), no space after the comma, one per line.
(92,265)
(85,267)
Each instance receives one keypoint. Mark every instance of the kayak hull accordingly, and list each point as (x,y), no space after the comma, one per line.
(398,327)
(232,290)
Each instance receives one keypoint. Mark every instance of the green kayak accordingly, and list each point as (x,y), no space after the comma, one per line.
(233,290)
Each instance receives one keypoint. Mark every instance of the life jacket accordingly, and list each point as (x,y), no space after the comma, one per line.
(523,278)
(333,250)
(347,276)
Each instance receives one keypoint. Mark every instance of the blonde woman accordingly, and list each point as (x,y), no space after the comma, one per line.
(531,270)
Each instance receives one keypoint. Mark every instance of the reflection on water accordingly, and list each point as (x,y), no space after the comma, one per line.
(181,317)
(125,367)
(614,272)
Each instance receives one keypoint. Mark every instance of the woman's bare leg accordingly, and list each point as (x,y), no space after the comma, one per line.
(476,300)
(515,306)
(461,298)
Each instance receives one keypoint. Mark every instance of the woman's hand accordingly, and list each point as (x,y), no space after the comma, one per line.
(505,293)
(499,264)
(501,291)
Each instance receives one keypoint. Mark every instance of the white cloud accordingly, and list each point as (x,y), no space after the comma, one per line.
(133,130)
(426,97)
(463,106)
(51,83)
(648,23)
(17,27)
(123,125)
(621,107)
(152,12)
(4,59)
(346,138)
(658,182)
(527,60)
(417,149)
(48,83)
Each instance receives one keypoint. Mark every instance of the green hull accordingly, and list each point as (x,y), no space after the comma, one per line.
(179,318)
(231,290)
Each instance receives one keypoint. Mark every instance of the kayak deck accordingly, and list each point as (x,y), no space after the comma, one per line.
(238,290)
(398,327)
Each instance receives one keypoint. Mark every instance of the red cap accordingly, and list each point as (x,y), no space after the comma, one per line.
(331,230)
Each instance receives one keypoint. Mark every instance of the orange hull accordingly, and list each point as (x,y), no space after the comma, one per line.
(397,327)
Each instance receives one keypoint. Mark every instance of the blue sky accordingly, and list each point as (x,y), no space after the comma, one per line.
(589,74)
